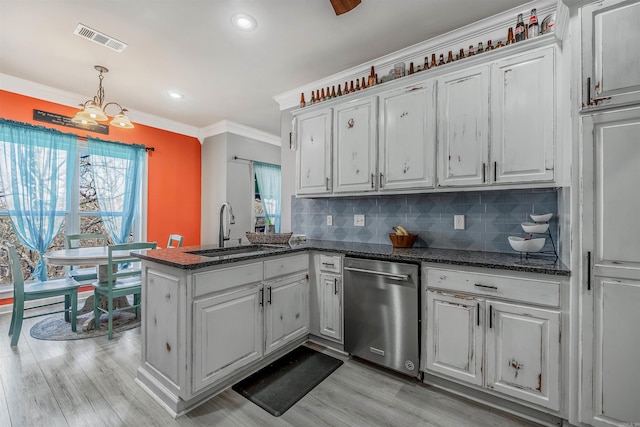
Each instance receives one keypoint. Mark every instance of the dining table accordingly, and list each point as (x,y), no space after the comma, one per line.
(87,256)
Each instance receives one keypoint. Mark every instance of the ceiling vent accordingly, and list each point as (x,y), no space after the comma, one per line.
(100,38)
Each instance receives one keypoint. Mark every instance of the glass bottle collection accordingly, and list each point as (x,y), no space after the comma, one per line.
(521,32)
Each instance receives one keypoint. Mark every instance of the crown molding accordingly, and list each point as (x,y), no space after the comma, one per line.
(70,99)
(492,28)
(227,126)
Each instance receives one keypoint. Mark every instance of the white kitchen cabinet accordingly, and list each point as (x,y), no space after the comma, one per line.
(610,53)
(610,273)
(523,352)
(490,331)
(330,296)
(407,138)
(463,127)
(286,310)
(523,118)
(355,146)
(313,162)
(455,336)
(213,360)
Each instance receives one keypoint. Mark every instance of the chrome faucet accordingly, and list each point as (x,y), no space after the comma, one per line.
(231,220)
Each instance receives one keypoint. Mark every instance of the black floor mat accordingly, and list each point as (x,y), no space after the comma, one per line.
(278,386)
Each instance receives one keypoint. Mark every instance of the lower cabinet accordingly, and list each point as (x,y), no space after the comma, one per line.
(286,311)
(331,306)
(474,334)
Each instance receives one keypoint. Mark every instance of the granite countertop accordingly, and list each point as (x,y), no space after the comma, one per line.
(183,259)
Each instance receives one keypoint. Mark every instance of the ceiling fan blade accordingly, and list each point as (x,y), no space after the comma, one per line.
(343,6)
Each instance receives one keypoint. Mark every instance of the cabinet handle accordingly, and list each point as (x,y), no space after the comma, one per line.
(484,172)
(329,264)
(327,183)
(335,286)
(269,289)
(589,270)
(490,316)
(478,285)
(381,178)
(495,171)
(261,297)
(373,178)
(588,90)
(478,314)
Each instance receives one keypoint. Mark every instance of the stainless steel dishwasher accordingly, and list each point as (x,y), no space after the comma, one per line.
(381,313)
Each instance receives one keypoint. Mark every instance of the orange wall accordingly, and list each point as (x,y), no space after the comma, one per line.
(174,167)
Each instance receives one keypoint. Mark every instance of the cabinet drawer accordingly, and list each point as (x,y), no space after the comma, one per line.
(225,278)
(331,264)
(541,292)
(286,265)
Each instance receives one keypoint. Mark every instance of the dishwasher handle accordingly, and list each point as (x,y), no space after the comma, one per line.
(404,277)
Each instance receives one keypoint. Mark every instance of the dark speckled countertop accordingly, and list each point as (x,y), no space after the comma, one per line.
(183,259)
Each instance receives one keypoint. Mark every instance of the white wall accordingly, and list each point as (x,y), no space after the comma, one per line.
(214,186)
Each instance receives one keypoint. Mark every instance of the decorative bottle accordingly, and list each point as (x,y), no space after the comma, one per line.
(302,103)
(520,30)
(534,28)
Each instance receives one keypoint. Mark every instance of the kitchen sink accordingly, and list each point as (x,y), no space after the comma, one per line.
(239,250)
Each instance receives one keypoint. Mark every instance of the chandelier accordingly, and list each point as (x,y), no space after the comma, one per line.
(93,110)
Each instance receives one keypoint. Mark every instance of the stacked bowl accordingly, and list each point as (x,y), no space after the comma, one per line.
(531,244)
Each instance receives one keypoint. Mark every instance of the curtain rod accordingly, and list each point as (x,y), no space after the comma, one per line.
(240,158)
(84,138)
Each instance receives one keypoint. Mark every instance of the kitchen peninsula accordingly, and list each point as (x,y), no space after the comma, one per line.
(214,316)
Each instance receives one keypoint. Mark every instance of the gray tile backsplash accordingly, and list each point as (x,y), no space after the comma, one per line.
(490,217)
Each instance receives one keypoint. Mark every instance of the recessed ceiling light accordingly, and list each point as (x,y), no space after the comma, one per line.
(244,22)
(175,95)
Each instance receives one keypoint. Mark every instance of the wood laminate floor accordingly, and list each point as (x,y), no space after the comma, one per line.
(90,382)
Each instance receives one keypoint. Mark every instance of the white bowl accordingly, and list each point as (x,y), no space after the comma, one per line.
(531,227)
(523,244)
(541,217)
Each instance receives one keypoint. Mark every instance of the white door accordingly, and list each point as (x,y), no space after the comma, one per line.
(227,334)
(355,148)
(463,128)
(523,352)
(286,311)
(610,292)
(331,306)
(523,118)
(313,157)
(610,53)
(407,137)
(454,336)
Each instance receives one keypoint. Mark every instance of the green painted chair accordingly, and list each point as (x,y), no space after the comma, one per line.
(35,290)
(120,283)
(84,274)
(175,241)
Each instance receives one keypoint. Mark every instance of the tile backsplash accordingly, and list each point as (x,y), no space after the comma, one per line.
(490,217)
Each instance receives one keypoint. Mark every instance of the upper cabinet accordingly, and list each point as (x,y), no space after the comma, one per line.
(522,118)
(313,162)
(407,137)
(355,153)
(610,53)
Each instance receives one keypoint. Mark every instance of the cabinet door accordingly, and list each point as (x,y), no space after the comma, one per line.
(454,336)
(227,334)
(313,158)
(407,138)
(610,289)
(330,294)
(355,150)
(610,53)
(523,352)
(523,118)
(463,127)
(286,311)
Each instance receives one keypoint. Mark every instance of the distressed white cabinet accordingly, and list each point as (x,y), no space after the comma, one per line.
(355,153)
(610,273)
(313,162)
(610,53)
(523,118)
(407,138)
(326,309)
(463,127)
(496,332)
(242,343)
(286,310)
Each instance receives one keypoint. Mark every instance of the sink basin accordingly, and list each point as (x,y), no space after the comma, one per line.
(232,251)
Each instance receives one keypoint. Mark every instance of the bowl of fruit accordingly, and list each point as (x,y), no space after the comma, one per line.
(401,238)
